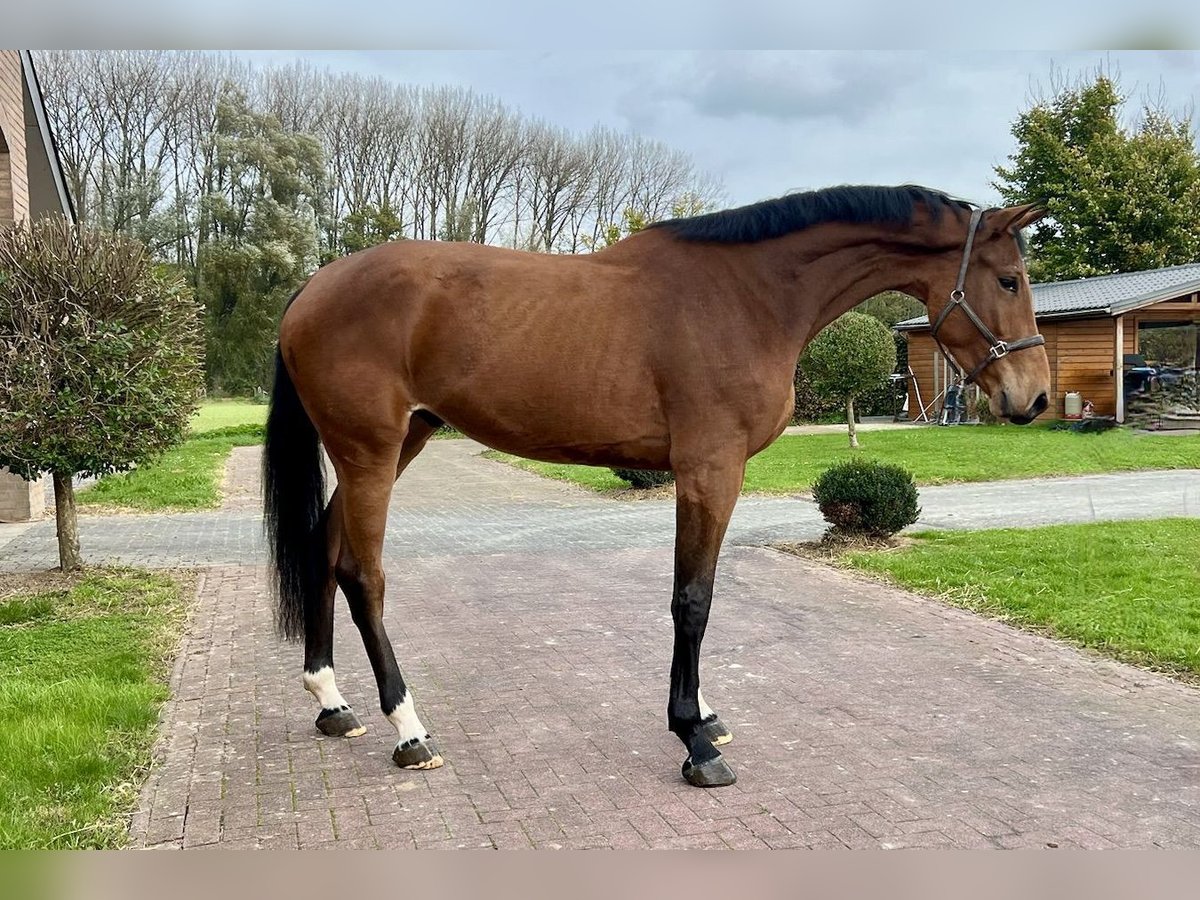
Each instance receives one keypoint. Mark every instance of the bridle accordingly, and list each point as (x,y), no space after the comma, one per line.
(997,349)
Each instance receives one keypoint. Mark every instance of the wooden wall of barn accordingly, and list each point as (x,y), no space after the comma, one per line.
(1081,353)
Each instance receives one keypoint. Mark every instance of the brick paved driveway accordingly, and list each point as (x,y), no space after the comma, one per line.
(864,718)
(537,644)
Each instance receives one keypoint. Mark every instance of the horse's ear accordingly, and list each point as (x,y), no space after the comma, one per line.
(1013,218)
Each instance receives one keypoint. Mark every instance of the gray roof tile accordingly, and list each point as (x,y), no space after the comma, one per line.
(1104,294)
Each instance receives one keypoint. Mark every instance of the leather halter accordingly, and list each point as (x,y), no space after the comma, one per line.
(997,349)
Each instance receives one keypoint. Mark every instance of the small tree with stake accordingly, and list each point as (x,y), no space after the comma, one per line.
(850,357)
(100,359)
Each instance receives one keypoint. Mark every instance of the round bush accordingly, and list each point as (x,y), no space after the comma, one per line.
(867,498)
(644,478)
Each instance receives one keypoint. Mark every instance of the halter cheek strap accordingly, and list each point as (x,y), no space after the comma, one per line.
(997,349)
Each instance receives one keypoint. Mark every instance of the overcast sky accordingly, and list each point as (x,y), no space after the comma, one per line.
(772,121)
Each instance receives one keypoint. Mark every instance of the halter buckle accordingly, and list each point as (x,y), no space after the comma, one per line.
(998,350)
(957,295)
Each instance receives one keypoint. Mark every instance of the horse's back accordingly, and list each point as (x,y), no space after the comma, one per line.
(537,354)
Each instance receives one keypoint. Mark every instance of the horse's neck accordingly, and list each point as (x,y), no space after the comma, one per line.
(816,275)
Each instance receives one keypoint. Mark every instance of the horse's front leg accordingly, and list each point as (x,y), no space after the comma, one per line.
(705,492)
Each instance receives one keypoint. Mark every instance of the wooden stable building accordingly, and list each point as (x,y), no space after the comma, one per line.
(1094,327)
(31,185)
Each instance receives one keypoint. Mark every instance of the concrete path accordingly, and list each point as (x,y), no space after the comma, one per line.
(532,622)
(453,501)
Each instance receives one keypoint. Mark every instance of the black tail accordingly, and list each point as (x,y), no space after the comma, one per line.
(293,504)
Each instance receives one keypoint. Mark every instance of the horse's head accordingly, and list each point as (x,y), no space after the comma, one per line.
(981,309)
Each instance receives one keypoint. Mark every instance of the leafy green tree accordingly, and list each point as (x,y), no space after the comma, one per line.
(850,357)
(1120,199)
(891,307)
(459,224)
(100,359)
(368,226)
(634,220)
(261,221)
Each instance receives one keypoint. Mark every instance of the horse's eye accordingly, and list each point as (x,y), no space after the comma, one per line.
(1008,283)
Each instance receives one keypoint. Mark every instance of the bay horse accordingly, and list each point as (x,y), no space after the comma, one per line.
(672,349)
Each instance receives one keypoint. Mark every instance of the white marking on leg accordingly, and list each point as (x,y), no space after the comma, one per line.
(705,712)
(411,732)
(321,685)
(404,718)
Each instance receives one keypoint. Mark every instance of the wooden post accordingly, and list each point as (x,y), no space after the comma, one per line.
(1119,368)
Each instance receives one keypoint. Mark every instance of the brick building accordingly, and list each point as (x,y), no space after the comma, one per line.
(31,185)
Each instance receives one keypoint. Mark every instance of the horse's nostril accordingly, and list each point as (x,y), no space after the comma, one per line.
(1039,405)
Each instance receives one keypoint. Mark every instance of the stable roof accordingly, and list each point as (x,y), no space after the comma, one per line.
(1102,295)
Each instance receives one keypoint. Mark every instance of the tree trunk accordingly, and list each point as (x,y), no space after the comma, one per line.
(68,524)
(850,423)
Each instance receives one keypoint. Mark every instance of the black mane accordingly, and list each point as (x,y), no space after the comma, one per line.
(793,212)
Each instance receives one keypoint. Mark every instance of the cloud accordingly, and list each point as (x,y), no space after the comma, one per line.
(846,86)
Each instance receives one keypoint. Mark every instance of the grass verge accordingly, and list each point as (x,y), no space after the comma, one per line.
(84,662)
(1130,590)
(934,456)
(187,477)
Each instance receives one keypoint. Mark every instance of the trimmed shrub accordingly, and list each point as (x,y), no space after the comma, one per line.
(811,406)
(100,359)
(644,478)
(866,498)
(850,357)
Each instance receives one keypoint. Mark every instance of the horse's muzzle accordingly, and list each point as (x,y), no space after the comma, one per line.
(1036,409)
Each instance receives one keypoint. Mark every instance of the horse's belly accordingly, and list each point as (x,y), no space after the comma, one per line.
(548,426)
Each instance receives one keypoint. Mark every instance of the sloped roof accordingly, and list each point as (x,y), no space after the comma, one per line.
(1102,295)
(48,190)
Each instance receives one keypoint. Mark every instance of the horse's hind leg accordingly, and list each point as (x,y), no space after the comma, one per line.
(336,717)
(365,487)
(706,492)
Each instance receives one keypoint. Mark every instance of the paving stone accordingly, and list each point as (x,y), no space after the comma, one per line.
(928,770)
(532,622)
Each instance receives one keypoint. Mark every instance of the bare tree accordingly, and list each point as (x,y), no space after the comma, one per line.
(135,131)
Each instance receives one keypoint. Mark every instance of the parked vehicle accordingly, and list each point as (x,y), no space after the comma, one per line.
(1139,378)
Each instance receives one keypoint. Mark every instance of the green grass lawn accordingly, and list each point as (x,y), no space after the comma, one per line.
(936,456)
(187,477)
(217,414)
(84,668)
(1128,589)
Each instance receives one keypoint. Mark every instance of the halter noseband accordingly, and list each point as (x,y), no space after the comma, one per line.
(997,349)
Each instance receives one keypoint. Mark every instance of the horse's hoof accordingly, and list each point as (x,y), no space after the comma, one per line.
(713,773)
(341,722)
(417,754)
(716,732)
